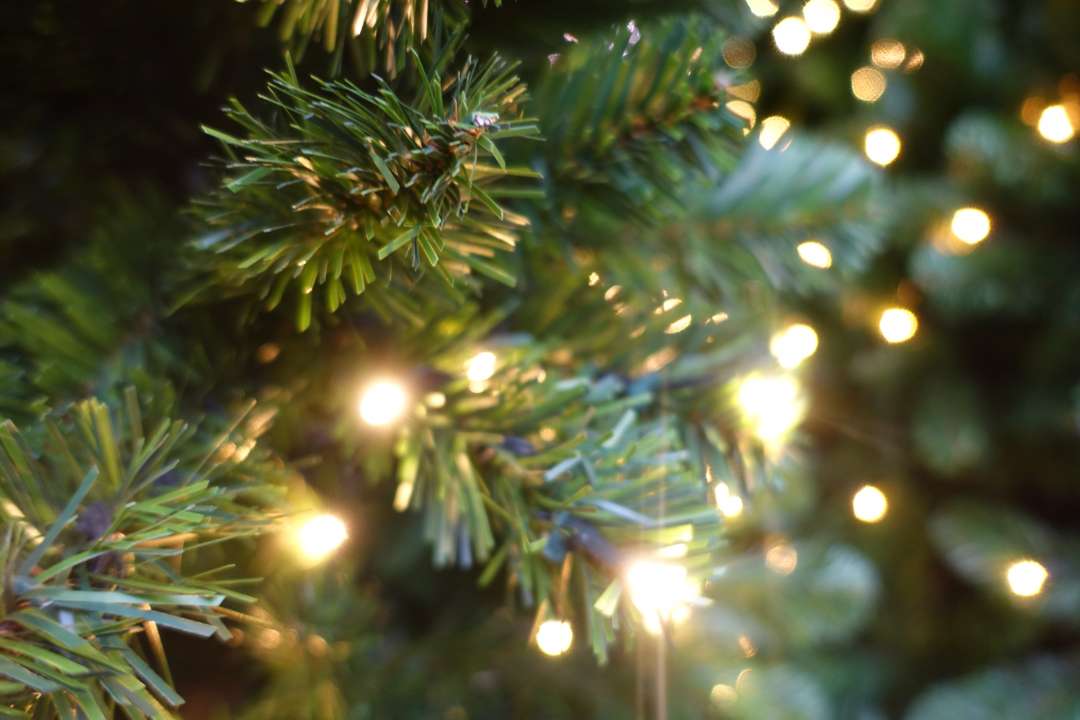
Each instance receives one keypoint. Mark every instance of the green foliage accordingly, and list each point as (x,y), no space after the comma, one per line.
(103,510)
(346,186)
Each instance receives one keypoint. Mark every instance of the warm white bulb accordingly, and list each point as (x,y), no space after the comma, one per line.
(782,558)
(772,129)
(815,254)
(860,6)
(731,506)
(763,8)
(772,404)
(660,591)
(554,637)
(898,325)
(1055,124)
(869,504)
(882,145)
(791,35)
(319,537)
(1026,577)
(793,344)
(382,402)
(970,225)
(822,16)
(481,366)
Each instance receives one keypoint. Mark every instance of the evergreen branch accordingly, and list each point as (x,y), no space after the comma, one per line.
(346,185)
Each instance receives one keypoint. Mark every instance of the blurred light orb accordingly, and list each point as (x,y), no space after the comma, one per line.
(1026,577)
(822,16)
(815,254)
(793,344)
(383,402)
(729,504)
(1055,124)
(782,558)
(772,129)
(915,60)
(970,225)
(898,325)
(481,366)
(763,8)
(869,504)
(744,110)
(320,536)
(661,592)
(860,6)
(888,53)
(791,35)
(868,84)
(554,637)
(882,145)
(772,404)
(739,52)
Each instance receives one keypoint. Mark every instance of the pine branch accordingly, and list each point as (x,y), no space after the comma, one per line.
(346,186)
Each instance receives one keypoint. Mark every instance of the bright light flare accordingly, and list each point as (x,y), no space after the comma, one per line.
(882,145)
(481,366)
(1055,125)
(554,637)
(869,504)
(860,6)
(661,592)
(772,129)
(898,325)
(970,225)
(382,402)
(815,254)
(319,537)
(791,35)
(793,344)
(763,8)
(1026,577)
(822,16)
(772,404)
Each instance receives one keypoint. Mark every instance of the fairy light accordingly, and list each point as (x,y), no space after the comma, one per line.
(554,637)
(480,366)
(888,53)
(382,402)
(791,35)
(318,537)
(882,145)
(869,504)
(793,344)
(729,504)
(772,129)
(743,109)
(1026,577)
(970,225)
(1055,125)
(739,53)
(772,405)
(860,6)
(661,592)
(782,558)
(868,84)
(679,325)
(763,8)
(822,16)
(815,254)
(898,325)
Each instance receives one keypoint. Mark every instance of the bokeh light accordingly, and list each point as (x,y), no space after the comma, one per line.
(888,53)
(554,637)
(793,344)
(763,8)
(739,52)
(791,35)
(869,504)
(970,225)
(882,145)
(661,592)
(860,6)
(815,254)
(481,366)
(868,84)
(382,402)
(782,558)
(1026,577)
(1055,124)
(772,129)
(772,405)
(898,325)
(729,503)
(822,16)
(318,537)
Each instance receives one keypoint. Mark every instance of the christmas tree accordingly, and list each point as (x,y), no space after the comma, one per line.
(447,359)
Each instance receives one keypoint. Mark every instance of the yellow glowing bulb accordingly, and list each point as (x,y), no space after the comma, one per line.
(1026,577)
(1055,124)
(868,84)
(791,35)
(822,16)
(772,404)
(383,402)
(815,254)
(869,504)
(860,6)
(882,145)
(480,367)
(554,637)
(661,592)
(319,537)
(898,325)
(793,344)
(763,8)
(970,225)
(731,506)
(772,129)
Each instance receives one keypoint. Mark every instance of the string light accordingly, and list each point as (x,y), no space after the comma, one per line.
(860,6)
(882,145)
(869,504)
(772,404)
(383,402)
(782,558)
(480,366)
(815,254)
(822,16)
(679,325)
(554,637)
(868,84)
(1055,124)
(898,325)
(1026,577)
(888,53)
(763,8)
(970,225)
(793,344)
(791,35)
(660,591)
(739,52)
(772,129)
(730,504)
(318,537)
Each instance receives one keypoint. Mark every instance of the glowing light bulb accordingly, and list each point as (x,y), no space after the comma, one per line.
(480,367)
(782,558)
(898,325)
(1026,577)
(679,325)
(970,225)
(822,16)
(860,6)
(554,637)
(1055,124)
(793,344)
(730,504)
(791,35)
(383,402)
(318,537)
(815,254)
(763,8)
(888,53)
(882,145)
(772,129)
(772,404)
(868,84)
(661,592)
(869,504)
